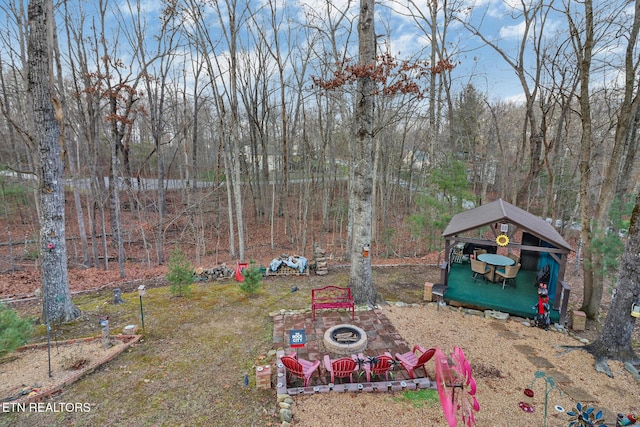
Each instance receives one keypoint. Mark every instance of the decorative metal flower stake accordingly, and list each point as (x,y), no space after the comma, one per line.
(583,416)
(456,387)
(549,385)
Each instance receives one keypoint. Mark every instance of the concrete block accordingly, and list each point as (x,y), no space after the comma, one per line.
(578,320)
(497,315)
(428,289)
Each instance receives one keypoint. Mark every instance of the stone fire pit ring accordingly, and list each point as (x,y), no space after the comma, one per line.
(345,339)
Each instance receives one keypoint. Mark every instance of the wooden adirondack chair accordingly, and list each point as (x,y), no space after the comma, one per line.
(411,361)
(300,368)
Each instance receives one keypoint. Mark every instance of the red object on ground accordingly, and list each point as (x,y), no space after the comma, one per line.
(239,275)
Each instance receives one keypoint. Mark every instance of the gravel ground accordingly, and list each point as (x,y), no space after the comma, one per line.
(505,357)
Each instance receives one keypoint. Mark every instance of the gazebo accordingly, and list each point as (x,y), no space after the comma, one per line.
(539,244)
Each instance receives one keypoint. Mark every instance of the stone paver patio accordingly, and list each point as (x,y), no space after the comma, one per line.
(381,335)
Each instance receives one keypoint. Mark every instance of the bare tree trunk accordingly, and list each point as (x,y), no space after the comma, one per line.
(5,208)
(583,50)
(628,178)
(234,149)
(87,122)
(228,184)
(534,17)
(57,304)
(103,229)
(162,204)
(615,339)
(13,146)
(361,279)
(116,222)
(20,114)
(612,174)
(72,151)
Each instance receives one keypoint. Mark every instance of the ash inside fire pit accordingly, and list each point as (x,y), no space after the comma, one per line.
(345,339)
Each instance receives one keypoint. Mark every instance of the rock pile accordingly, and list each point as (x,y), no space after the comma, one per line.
(320,257)
(220,272)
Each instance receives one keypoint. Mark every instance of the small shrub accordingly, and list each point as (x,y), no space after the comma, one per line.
(14,330)
(180,274)
(252,278)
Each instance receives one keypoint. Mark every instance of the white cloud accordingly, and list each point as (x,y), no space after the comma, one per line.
(407,44)
(513,31)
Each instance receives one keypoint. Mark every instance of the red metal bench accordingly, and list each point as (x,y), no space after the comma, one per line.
(331,297)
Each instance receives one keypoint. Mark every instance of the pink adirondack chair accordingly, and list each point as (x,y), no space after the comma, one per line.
(300,368)
(412,361)
(340,368)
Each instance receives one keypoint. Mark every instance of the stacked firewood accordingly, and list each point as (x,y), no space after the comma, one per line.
(320,256)
(213,273)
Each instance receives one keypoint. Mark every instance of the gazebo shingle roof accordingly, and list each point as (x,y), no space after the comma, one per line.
(501,211)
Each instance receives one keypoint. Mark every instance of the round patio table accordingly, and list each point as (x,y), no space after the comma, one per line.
(495,259)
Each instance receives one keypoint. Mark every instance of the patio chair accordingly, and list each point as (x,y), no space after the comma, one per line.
(514,257)
(379,365)
(340,368)
(507,273)
(479,268)
(477,252)
(411,361)
(300,368)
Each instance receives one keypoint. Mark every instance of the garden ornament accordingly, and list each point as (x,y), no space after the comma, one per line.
(549,385)
(456,387)
(583,416)
(626,420)
(527,403)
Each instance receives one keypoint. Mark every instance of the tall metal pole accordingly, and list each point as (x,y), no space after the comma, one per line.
(142,315)
(142,290)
